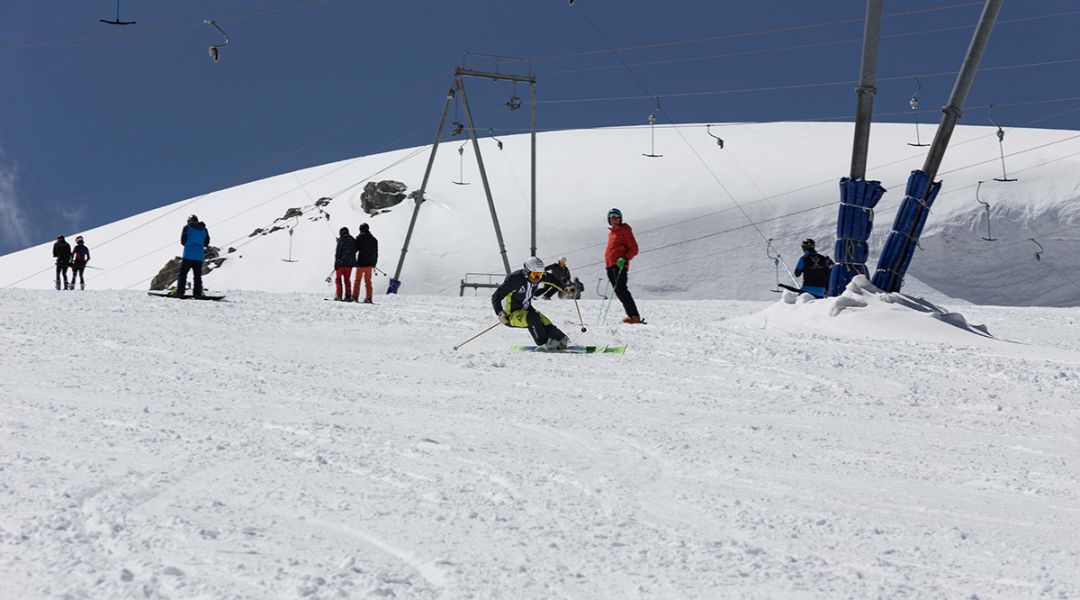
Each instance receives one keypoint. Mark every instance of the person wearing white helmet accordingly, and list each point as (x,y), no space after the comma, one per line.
(513,304)
(561,273)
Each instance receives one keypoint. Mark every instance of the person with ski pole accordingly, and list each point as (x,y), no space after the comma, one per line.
(367,255)
(814,268)
(512,302)
(561,273)
(80,255)
(195,238)
(621,249)
(344,261)
(61,251)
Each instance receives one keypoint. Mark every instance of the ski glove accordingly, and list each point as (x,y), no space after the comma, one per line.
(504,318)
(621,263)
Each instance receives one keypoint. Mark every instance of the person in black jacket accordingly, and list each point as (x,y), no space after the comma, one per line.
(80,255)
(61,251)
(344,261)
(561,273)
(367,256)
(513,304)
(814,268)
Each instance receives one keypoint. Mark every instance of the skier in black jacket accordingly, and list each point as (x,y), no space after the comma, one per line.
(367,256)
(513,304)
(814,268)
(344,262)
(80,255)
(61,251)
(561,273)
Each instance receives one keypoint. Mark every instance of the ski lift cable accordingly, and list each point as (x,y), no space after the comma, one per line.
(879,211)
(797,86)
(240,179)
(744,34)
(802,46)
(243,241)
(89,38)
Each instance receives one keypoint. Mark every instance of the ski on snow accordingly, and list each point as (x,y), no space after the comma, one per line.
(164,294)
(572,349)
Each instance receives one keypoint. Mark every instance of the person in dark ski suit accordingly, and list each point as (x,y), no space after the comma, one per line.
(621,249)
(344,262)
(195,239)
(61,251)
(814,268)
(80,255)
(561,273)
(367,256)
(513,305)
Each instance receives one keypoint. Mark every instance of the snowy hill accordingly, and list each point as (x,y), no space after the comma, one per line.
(279,446)
(691,210)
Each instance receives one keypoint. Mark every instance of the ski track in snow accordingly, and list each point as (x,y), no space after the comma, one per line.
(278,446)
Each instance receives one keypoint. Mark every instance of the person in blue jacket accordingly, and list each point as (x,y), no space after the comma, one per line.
(814,268)
(195,239)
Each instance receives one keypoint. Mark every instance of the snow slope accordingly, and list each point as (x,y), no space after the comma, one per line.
(691,209)
(279,446)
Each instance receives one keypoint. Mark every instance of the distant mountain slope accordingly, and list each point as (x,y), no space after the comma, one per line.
(702,214)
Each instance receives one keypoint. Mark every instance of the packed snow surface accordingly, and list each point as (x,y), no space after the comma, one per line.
(281,446)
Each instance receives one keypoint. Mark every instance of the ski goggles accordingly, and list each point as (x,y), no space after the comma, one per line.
(535,276)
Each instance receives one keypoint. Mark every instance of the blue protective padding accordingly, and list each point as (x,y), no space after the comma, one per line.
(908,226)
(858,197)
(393,286)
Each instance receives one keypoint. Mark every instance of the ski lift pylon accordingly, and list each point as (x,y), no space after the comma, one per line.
(117,21)
(213,50)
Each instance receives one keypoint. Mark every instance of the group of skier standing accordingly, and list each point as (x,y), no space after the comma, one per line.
(73,258)
(360,253)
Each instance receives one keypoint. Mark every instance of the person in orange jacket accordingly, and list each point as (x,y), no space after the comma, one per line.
(621,249)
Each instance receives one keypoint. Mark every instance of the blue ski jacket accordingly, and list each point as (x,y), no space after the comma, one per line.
(195,239)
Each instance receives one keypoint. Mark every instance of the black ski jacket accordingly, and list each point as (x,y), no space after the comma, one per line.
(560,272)
(814,269)
(367,250)
(61,250)
(345,256)
(80,255)
(517,292)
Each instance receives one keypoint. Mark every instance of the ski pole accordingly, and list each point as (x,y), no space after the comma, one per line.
(580,320)
(477,335)
(604,308)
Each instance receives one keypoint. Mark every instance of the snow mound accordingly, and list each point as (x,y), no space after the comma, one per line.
(864,310)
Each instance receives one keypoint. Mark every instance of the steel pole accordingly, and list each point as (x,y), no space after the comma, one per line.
(954,109)
(866,90)
(532,87)
(419,195)
(483,173)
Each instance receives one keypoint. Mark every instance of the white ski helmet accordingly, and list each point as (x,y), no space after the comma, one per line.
(534,265)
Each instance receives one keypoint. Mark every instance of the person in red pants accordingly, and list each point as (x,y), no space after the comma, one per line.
(344,261)
(367,256)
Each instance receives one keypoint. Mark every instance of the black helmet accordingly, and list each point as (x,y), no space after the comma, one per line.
(343,231)
(808,244)
(614,213)
(192,220)
(364,228)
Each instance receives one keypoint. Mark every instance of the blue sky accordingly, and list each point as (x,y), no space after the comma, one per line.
(100,122)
